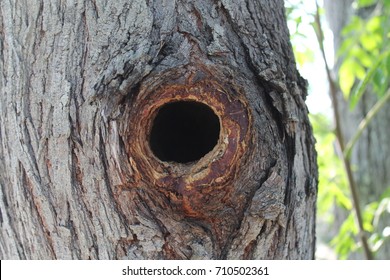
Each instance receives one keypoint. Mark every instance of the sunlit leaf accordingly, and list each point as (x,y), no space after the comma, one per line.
(368,216)
(365,3)
(370,41)
(332,179)
(303,57)
(357,93)
(358,70)
(298,20)
(346,77)
(374,24)
(363,57)
(342,199)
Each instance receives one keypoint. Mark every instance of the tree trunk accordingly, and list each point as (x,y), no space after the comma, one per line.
(94,164)
(370,154)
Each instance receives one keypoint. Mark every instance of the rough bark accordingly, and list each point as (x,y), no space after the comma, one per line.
(81,82)
(370,154)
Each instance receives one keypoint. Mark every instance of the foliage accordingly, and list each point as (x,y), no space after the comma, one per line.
(333,191)
(365,56)
(299,20)
(345,242)
(333,186)
(365,51)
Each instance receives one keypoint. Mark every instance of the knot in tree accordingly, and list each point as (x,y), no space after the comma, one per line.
(183,137)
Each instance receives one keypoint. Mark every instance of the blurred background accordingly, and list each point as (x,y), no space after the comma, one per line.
(342,49)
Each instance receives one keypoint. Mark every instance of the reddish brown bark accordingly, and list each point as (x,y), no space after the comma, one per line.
(91,79)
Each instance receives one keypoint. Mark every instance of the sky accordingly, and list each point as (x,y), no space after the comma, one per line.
(318,100)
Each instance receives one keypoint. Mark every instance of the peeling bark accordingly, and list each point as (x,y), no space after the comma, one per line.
(81,85)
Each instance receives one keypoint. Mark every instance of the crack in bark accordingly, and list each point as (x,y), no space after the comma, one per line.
(19,244)
(109,186)
(39,215)
(73,233)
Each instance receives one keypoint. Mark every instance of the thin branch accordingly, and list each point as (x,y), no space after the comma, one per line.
(340,138)
(364,123)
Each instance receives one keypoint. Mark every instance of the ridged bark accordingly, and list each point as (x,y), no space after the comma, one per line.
(81,82)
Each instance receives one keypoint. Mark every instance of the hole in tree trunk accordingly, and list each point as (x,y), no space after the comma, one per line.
(184,131)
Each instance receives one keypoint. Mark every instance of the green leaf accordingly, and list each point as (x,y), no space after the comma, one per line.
(303,56)
(298,20)
(368,216)
(388,65)
(357,93)
(362,56)
(358,70)
(342,199)
(378,81)
(374,24)
(370,41)
(333,186)
(346,46)
(356,24)
(386,193)
(346,76)
(365,3)
(344,243)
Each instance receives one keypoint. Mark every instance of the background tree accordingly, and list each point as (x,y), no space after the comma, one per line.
(354,195)
(360,31)
(87,168)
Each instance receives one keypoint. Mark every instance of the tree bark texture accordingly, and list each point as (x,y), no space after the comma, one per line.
(370,155)
(81,83)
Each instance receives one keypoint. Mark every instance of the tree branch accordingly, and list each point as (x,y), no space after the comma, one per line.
(365,122)
(340,138)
